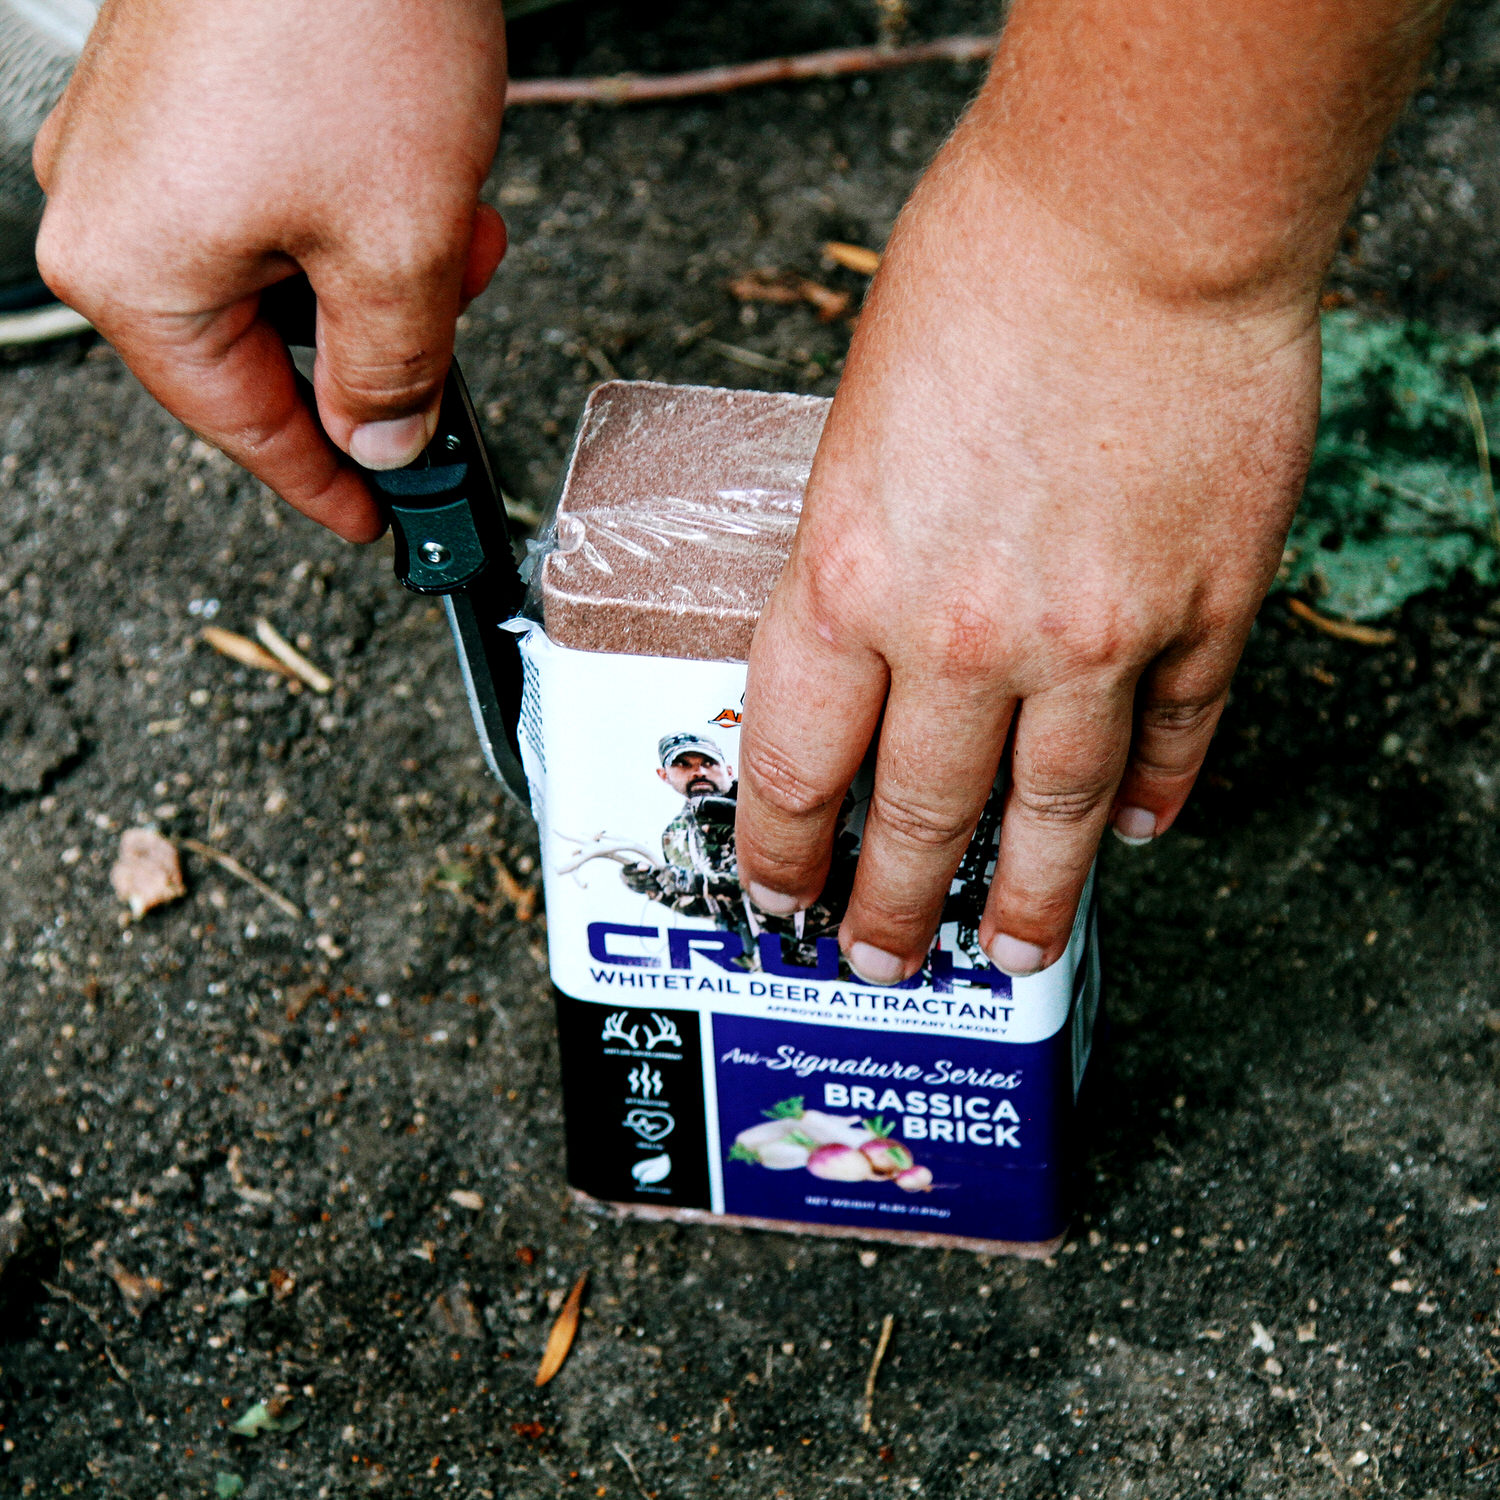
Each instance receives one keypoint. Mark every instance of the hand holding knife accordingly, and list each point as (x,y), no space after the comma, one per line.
(451,536)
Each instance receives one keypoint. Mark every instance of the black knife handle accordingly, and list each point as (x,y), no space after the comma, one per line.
(445,509)
(448,520)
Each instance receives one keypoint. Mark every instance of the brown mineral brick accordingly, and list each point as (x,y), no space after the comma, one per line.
(676,518)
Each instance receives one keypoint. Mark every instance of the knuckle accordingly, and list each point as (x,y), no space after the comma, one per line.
(1059,806)
(962,636)
(1179,718)
(919,825)
(59,262)
(775,780)
(831,573)
(1099,637)
(391,381)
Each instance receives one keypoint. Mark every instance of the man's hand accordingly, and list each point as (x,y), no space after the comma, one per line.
(207,148)
(1069,439)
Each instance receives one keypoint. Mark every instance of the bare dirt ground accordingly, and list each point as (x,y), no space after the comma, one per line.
(233,1137)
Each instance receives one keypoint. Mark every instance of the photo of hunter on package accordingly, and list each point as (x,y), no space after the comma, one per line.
(699,875)
(696,874)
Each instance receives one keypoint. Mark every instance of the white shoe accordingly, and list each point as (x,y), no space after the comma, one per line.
(39,42)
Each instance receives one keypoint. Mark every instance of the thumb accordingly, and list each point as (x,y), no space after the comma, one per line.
(385,339)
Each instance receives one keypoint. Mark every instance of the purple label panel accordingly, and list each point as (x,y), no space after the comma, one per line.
(890,1130)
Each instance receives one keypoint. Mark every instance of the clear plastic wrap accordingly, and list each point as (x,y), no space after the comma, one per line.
(674,519)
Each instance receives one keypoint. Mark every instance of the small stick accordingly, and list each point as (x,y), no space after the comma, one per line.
(229,863)
(750,357)
(242,649)
(868,1424)
(630,1464)
(624,89)
(853,257)
(1341,630)
(1482,452)
(291,658)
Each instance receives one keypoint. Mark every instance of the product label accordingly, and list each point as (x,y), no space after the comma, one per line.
(944,1100)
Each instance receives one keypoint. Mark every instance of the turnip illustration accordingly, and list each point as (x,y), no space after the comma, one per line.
(840,1164)
(887,1158)
(839,1148)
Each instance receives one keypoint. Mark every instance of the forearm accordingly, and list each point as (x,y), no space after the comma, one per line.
(1210,147)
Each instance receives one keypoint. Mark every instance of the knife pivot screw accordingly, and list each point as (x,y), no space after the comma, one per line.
(435,554)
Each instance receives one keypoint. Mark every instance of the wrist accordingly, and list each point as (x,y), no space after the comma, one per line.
(1122,234)
(1211,152)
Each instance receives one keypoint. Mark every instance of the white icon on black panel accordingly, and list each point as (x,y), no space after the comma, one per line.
(650,1124)
(661,1031)
(645,1082)
(651,1169)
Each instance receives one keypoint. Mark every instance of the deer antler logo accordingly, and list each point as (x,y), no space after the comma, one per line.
(663,1033)
(615,1030)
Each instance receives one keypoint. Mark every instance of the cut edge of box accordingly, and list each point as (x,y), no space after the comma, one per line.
(917,1239)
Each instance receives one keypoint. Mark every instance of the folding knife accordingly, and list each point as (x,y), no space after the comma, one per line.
(448,521)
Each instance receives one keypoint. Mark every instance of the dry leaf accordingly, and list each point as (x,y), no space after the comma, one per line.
(853,257)
(148,872)
(787,289)
(766,286)
(12,1232)
(452,1313)
(560,1339)
(828,303)
(466,1199)
(242,649)
(139,1292)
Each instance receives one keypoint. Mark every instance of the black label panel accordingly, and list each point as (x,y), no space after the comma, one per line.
(633,1102)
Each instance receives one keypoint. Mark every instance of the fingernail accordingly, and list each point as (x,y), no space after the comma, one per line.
(1012,956)
(389,445)
(874,965)
(777,903)
(1134,826)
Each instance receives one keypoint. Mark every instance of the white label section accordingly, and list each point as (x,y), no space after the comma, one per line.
(643,904)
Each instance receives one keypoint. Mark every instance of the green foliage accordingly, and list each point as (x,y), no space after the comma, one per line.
(787,1109)
(1395,503)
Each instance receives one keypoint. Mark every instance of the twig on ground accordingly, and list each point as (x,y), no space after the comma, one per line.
(1341,630)
(246,652)
(867,1424)
(1481,452)
(229,863)
(853,257)
(837,62)
(634,1473)
(291,658)
(787,290)
(750,357)
(94,1317)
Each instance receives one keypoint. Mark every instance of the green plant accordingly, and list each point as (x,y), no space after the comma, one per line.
(1399,498)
